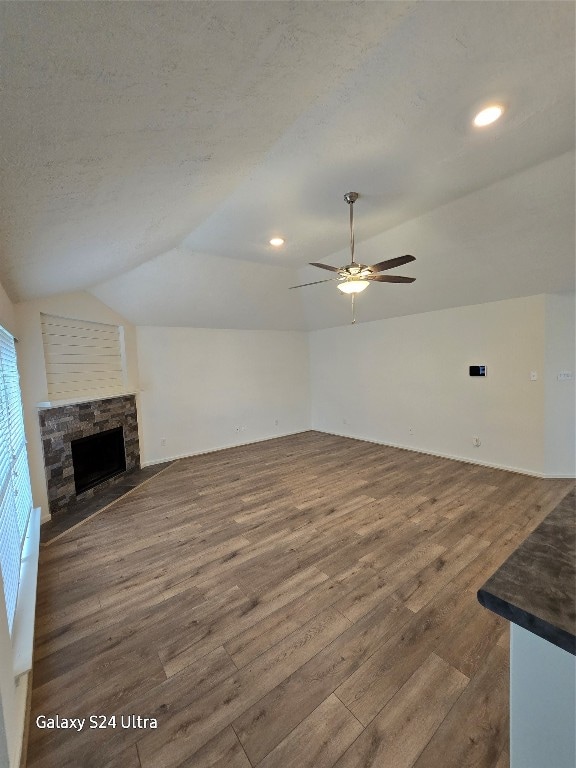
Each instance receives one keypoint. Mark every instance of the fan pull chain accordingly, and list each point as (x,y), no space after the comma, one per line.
(353,309)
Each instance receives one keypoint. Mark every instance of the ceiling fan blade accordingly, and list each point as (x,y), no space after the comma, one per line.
(330,279)
(389,278)
(391,263)
(325,266)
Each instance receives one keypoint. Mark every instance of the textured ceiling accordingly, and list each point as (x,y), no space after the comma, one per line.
(150,150)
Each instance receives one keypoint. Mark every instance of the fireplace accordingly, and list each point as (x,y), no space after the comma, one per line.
(61,427)
(97,457)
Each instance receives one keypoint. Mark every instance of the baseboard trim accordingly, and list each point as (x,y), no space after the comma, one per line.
(452,457)
(223,448)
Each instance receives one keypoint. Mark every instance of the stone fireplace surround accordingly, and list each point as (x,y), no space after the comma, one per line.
(59,425)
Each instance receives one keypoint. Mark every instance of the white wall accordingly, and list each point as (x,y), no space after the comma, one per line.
(7,314)
(199,385)
(377,380)
(33,383)
(381,377)
(560,396)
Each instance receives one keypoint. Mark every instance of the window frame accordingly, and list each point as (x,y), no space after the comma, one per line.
(15,486)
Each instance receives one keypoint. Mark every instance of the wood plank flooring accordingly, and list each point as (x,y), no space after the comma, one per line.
(304,602)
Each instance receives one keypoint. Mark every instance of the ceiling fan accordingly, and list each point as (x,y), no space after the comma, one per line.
(354,278)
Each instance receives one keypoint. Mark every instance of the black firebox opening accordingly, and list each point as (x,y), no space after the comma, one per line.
(98,457)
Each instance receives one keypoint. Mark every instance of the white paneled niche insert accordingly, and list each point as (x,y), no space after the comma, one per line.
(82,358)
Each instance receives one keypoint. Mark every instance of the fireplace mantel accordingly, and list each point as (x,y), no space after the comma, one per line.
(77,401)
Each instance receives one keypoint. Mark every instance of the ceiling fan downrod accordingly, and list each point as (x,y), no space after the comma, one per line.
(350,198)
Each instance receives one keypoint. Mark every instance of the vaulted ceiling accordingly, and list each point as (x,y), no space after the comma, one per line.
(150,150)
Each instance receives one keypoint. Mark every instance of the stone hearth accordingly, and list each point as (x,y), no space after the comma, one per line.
(60,425)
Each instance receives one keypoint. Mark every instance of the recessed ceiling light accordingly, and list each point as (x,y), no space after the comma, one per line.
(488,115)
(277,241)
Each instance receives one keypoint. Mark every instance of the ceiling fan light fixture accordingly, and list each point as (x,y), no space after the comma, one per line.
(353,286)
(276,241)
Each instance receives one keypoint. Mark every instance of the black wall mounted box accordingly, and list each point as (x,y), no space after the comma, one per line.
(477,370)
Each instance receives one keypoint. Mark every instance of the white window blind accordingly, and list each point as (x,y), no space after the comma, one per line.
(15,492)
(81,357)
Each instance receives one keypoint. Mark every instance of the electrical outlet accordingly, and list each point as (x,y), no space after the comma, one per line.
(163,441)
(410,430)
(533,375)
(476,441)
(565,376)
(276,422)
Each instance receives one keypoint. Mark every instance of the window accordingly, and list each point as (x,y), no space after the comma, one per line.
(15,492)
(81,357)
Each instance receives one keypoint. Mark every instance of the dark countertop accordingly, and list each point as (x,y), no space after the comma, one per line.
(536,586)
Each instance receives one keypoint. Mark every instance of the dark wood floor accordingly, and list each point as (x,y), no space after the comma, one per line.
(306,602)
